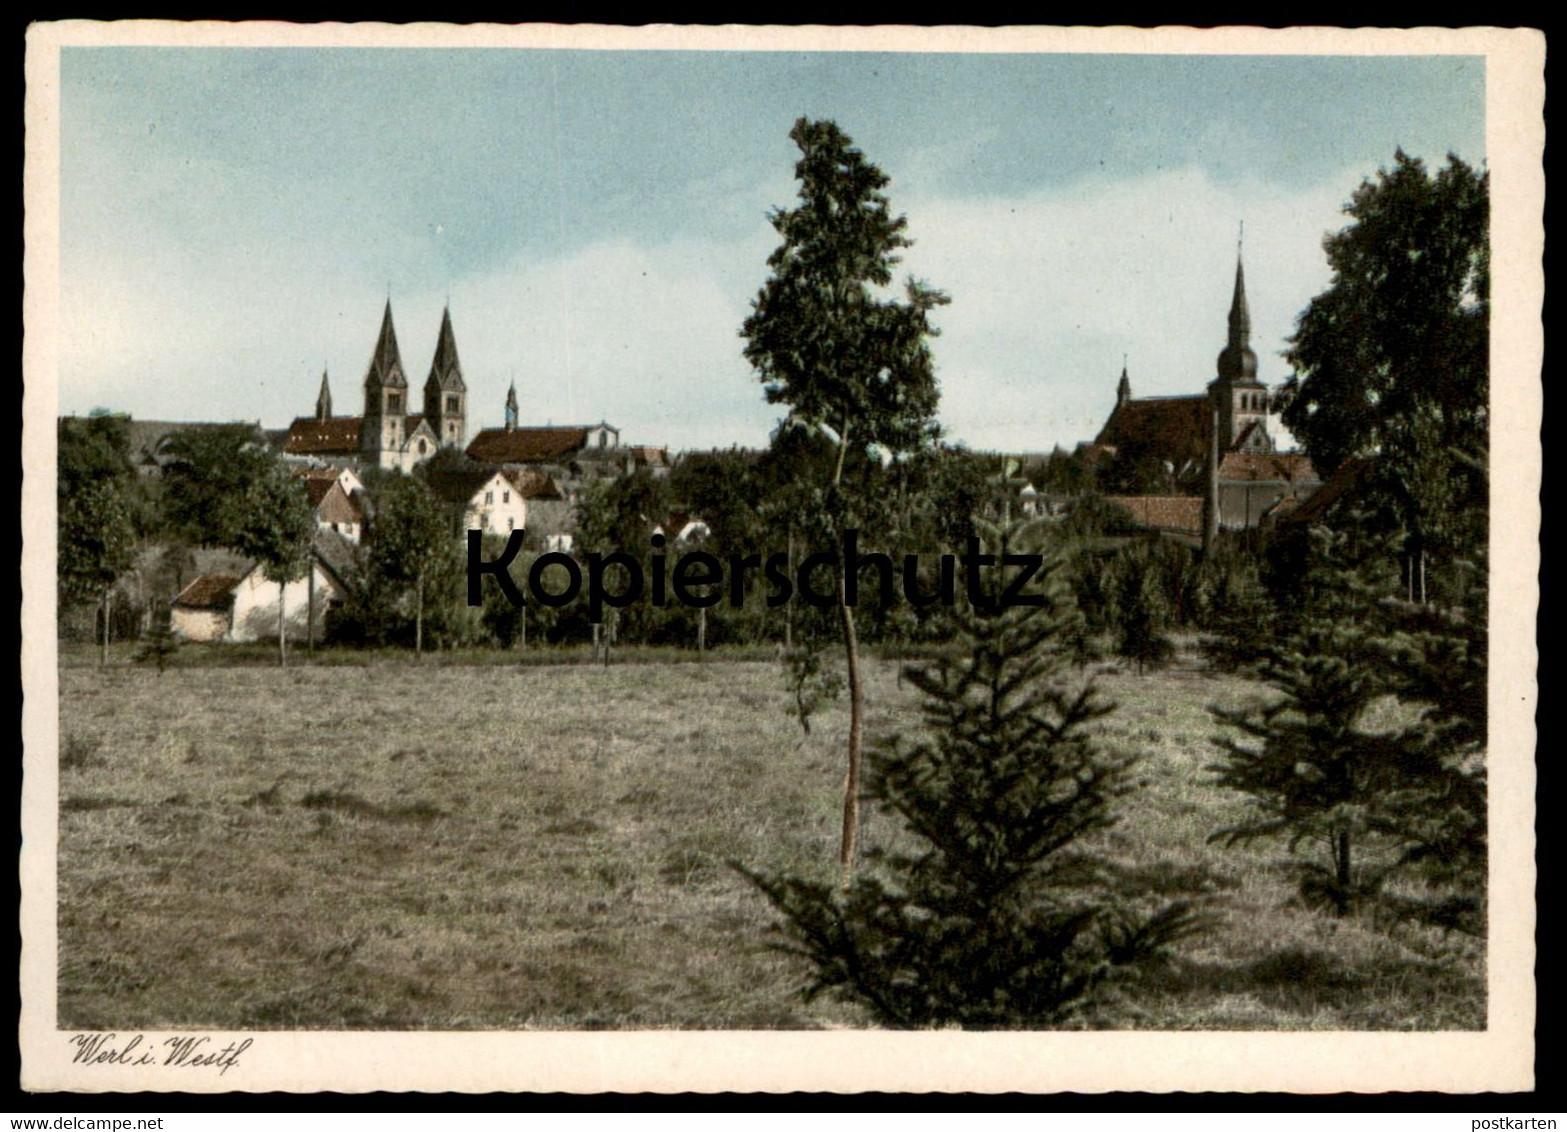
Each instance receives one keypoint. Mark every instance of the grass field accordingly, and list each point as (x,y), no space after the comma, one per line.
(434,846)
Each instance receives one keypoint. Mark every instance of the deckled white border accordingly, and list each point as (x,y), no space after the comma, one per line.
(1501,1058)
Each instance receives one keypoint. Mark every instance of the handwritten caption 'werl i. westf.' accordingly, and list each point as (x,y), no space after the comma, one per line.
(178,1052)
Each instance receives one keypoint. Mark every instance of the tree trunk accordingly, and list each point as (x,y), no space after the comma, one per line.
(851,786)
(1343,873)
(851,645)
(524,628)
(701,629)
(310,611)
(103,656)
(419,621)
(282,625)
(789,605)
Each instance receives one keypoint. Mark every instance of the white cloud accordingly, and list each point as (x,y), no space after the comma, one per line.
(1048,290)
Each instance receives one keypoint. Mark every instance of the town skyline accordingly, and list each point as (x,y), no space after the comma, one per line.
(233,221)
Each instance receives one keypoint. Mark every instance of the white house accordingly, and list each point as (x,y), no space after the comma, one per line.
(498,502)
(254,608)
(496,507)
(243,606)
(337,496)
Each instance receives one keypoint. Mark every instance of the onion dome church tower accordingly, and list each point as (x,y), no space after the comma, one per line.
(1238,398)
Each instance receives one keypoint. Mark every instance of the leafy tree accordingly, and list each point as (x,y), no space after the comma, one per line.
(1393,357)
(826,340)
(96,545)
(412,545)
(100,510)
(811,683)
(997,918)
(207,481)
(93,449)
(274,525)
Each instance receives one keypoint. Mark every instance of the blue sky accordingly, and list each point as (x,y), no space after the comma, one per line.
(232,219)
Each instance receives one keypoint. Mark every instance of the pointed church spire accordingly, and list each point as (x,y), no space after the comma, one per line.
(324,399)
(1237,362)
(386,364)
(1123,388)
(511,406)
(1240,313)
(445,369)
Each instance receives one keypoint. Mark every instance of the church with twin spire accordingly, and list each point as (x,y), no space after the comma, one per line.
(389,433)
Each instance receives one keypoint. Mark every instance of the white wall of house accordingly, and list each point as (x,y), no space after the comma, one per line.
(200,624)
(256,605)
(497,508)
(350,531)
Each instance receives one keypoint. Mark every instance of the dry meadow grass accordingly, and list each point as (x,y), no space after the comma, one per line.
(435,846)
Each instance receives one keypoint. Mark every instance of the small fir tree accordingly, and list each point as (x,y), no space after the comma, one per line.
(1139,637)
(1374,750)
(995,918)
(160,647)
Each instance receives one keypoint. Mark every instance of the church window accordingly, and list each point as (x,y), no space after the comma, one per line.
(452,405)
(394,403)
(505,497)
(421,448)
(489,497)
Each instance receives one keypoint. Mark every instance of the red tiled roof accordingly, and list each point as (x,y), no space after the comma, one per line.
(210,591)
(308,436)
(526,445)
(1176,513)
(317,489)
(1175,428)
(1346,481)
(532,483)
(459,485)
(1280,467)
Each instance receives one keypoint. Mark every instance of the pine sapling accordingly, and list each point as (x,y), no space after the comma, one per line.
(991,912)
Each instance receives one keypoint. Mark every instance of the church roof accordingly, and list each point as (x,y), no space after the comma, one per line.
(527,445)
(386,364)
(337,436)
(1174,428)
(445,369)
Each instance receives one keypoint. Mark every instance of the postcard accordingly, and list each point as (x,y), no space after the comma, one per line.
(585,558)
